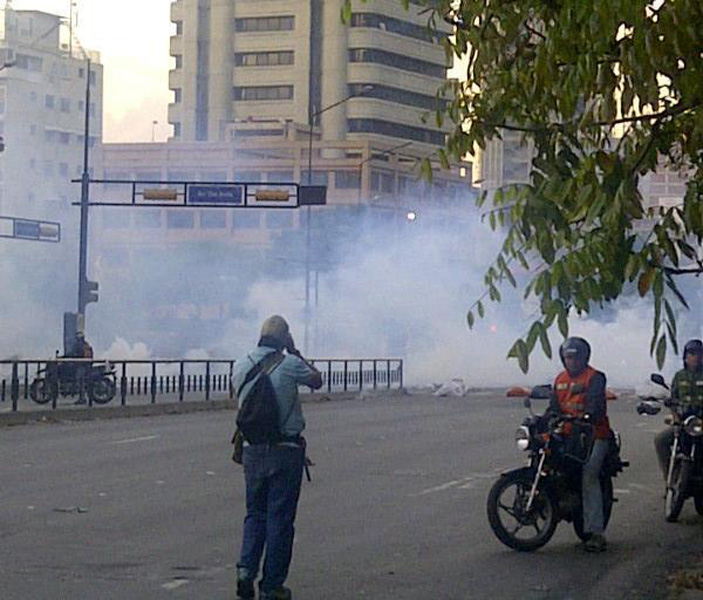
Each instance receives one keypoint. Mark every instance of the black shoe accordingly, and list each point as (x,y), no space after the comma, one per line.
(596,543)
(279,593)
(245,589)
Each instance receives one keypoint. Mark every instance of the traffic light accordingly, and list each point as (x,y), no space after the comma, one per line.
(90,292)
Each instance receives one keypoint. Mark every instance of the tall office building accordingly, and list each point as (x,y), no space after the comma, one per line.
(42,113)
(248,68)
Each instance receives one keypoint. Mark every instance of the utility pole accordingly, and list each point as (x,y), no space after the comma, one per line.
(85,199)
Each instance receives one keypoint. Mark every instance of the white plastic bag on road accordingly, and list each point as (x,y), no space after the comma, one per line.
(454,387)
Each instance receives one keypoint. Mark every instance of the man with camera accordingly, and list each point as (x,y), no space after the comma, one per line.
(273,469)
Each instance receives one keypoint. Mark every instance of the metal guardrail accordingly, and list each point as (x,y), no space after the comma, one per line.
(176,380)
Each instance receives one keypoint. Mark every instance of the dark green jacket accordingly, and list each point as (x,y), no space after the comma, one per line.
(687,388)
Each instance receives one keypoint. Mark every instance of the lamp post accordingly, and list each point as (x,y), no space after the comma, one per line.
(311,122)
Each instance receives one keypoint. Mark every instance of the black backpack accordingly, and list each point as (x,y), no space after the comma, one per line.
(258,417)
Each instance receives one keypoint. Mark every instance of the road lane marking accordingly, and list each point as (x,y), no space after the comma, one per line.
(137,439)
(176,583)
(622,491)
(445,486)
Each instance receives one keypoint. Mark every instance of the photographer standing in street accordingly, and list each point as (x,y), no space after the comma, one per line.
(273,463)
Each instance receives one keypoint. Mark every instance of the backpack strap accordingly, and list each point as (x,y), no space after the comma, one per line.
(267,364)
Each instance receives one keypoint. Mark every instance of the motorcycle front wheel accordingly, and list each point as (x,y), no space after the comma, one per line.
(43,392)
(509,518)
(676,490)
(102,390)
(606,486)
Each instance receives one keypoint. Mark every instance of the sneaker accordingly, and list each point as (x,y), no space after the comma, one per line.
(279,593)
(245,589)
(596,543)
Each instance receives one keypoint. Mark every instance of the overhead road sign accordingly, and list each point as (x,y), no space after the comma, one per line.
(219,194)
(30,229)
(205,194)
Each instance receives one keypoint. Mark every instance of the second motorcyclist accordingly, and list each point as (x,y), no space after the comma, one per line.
(687,393)
(579,391)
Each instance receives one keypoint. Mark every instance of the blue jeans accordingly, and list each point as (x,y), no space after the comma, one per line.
(593,519)
(273,476)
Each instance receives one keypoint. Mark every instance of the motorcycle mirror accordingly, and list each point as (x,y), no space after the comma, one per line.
(659,380)
(648,407)
(527,402)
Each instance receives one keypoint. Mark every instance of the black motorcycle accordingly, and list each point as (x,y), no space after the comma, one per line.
(684,477)
(71,378)
(525,505)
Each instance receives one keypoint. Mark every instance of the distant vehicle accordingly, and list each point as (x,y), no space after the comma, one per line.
(66,377)
(684,477)
(525,505)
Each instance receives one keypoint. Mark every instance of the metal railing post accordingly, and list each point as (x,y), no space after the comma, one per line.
(374,373)
(181,382)
(152,387)
(388,374)
(329,376)
(400,374)
(207,380)
(361,375)
(230,385)
(123,385)
(15,386)
(346,373)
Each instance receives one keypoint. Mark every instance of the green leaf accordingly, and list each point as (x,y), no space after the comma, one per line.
(563,322)
(661,351)
(479,308)
(470,319)
(544,341)
(519,351)
(645,281)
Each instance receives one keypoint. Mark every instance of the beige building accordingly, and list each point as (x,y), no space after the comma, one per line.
(42,113)
(247,69)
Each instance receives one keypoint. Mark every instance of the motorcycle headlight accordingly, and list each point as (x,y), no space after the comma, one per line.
(522,437)
(693,426)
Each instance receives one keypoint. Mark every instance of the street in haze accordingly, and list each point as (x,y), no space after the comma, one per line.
(151,508)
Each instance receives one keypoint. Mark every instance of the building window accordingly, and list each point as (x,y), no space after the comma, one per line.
(49,101)
(33,96)
(177,95)
(64,137)
(378,21)
(213,219)
(347,180)
(63,169)
(48,168)
(397,95)
(50,135)
(279,219)
(147,219)
(264,59)
(264,92)
(318,178)
(180,219)
(29,63)
(179,61)
(246,219)
(3,96)
(93,77)
(176,130)
(398,61)
(280,176)
(179,27)
(408,132)
(213,176)
(248,176)
(382,182)
(286,23)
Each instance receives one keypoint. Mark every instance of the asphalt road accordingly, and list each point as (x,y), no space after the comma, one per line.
(151,508)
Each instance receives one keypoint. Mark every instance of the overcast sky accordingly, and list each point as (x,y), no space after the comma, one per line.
(133,39)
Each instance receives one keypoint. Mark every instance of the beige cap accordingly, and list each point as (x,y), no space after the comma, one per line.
(276,327)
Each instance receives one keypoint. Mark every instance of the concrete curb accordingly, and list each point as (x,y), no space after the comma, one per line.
(148,410)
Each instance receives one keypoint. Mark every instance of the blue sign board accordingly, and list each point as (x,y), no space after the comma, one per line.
(219,194)
(30,229)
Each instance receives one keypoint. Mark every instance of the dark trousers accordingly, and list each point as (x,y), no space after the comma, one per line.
(273,476)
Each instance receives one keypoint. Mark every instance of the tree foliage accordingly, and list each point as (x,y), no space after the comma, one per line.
(604,92)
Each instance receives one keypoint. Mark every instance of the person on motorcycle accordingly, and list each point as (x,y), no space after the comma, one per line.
(579,391)
(687,393)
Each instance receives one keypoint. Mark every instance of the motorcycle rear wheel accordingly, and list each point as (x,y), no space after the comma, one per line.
(43,392)
(606,486)
(102,390)
(676,492)
(507,501)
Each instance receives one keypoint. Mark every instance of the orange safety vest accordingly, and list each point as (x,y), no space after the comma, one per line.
(571,394)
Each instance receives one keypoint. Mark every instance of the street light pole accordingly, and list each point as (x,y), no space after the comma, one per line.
(311,122)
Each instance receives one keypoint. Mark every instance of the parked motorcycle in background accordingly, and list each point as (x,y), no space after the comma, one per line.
(73,377)
(684,477)
(525,505)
